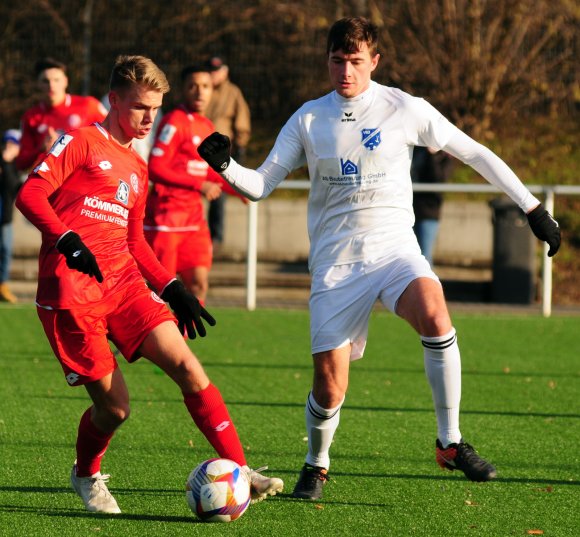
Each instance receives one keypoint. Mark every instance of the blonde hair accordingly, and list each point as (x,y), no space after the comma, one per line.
(131,70)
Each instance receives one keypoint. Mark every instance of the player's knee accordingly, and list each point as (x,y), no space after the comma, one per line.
(118,414)
(189,374)
(435,323)
(329,392)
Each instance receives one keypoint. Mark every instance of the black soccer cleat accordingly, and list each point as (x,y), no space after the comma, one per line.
(310,483)
(463,456)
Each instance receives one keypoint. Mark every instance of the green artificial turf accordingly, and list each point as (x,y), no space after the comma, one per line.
(520,408)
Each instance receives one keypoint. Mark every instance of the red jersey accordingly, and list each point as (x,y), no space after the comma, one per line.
(178,172)
(76,111)
(91,184)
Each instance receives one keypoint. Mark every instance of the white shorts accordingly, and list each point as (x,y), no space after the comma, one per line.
(342,298)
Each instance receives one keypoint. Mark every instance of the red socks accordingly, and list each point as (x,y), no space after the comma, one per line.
(210,414)
(91,446)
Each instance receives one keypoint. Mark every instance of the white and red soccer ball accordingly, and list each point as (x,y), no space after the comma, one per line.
(218,490)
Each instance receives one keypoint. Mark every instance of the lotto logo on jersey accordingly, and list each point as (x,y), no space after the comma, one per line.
(71,378)
(58,146)
(42,167)
(122,194)
(167,133)
(371,138)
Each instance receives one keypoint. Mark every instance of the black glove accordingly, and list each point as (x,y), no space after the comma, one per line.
(78,256)
(215,150)
(545,228)
(187,309)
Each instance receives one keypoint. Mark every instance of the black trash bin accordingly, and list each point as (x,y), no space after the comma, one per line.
(514,259)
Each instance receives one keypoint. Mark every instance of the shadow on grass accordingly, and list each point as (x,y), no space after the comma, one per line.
(68,513)
(406,370)
(345,407)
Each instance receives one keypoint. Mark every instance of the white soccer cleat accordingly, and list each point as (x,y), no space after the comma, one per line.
(261,486)
(94,492)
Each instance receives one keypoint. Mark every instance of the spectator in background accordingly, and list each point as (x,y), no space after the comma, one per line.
(230,113)
(175,225)
(58,112)
(428,166)
(9,185)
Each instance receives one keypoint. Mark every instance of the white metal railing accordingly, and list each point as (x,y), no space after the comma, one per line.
(549,193)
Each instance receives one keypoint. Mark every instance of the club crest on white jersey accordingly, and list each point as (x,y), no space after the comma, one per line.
(371,138)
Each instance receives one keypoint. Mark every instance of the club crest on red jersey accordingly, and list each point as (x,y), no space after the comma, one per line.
(122,194)
(134,183)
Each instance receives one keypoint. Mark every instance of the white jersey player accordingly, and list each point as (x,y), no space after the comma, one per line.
(358,142)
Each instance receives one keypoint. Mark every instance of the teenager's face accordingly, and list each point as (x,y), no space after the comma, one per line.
(197,90)
(350,74)
(135,110)
(53,83)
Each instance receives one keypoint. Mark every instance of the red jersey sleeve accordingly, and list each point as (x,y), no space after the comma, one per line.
(32,201)
(147,262)
(29,150)
(164,168)
(34,197)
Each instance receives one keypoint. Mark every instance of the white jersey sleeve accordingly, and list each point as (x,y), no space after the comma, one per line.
(286,155)
(491,167)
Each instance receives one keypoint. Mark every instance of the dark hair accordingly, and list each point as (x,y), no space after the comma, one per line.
(131,70)
(348,33)
(195,68)
(48,63)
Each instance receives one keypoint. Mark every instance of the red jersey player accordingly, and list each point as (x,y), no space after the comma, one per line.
(88,198)
(175,225)
(57,113)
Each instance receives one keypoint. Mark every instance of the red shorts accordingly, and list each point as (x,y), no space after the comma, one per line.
(79,337)
(179,251)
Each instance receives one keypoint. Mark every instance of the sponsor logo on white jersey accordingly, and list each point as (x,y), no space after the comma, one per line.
(71,378)
(134,183)
(105,165)
(348,167)
(58,146)
(42,167)
(122,194)
(348,117)
(167,133)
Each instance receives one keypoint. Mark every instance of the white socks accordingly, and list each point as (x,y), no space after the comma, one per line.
(443,369)
(321,424)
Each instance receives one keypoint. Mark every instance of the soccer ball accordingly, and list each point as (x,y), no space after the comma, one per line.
(218,490)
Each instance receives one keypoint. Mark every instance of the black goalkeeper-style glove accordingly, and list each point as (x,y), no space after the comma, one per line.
(545,228)
(78,256)
(215,150)
(187,309)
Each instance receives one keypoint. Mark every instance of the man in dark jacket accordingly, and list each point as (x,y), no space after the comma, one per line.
(9,185)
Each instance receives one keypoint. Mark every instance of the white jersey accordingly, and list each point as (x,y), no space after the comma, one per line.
(359,153)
